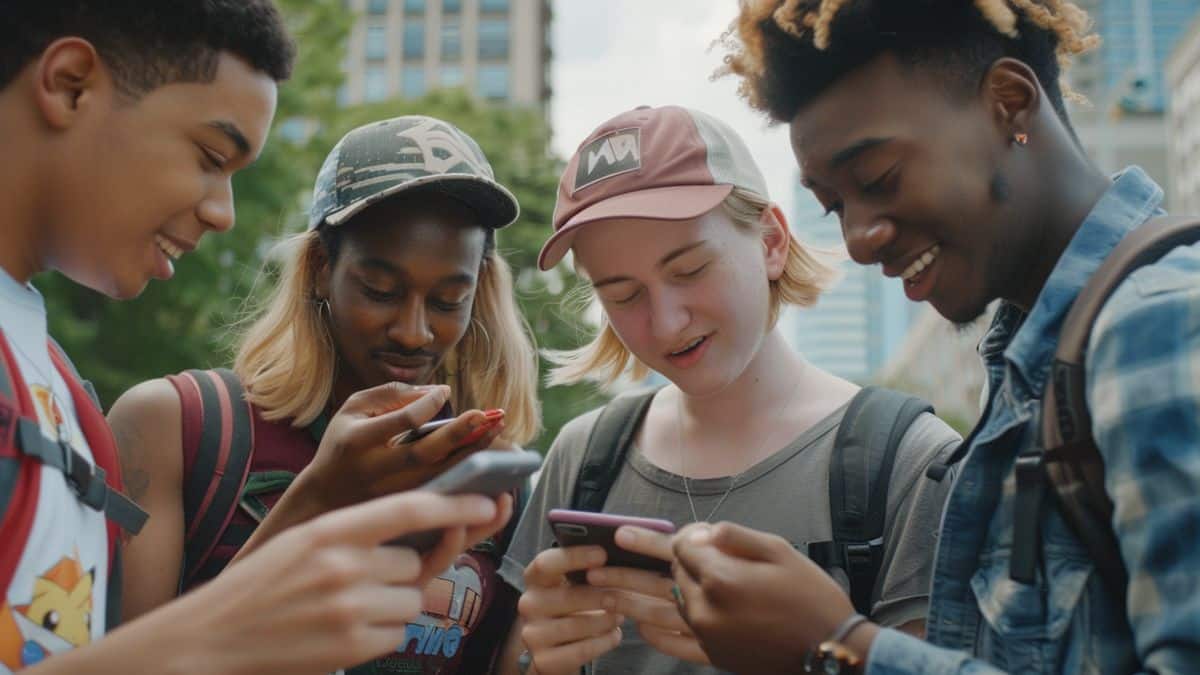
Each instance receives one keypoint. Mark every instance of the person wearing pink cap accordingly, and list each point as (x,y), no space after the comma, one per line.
(668,216)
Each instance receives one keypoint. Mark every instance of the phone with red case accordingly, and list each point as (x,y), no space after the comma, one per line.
(585,528)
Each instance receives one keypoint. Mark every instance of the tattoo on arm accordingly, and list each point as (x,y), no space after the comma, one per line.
(130,445)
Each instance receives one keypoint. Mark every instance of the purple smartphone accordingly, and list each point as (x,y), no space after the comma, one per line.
(585,528)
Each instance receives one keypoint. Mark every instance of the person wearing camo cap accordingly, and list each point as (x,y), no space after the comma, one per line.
(396,279)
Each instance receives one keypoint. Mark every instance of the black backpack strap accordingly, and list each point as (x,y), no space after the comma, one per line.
(859,475)
(214,485)
(607,445)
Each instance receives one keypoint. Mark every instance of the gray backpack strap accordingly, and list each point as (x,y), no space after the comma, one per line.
(859,474)
(607,446)
(1067,457)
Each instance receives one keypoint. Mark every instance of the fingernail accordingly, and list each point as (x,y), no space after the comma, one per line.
(493,413)
(626,537)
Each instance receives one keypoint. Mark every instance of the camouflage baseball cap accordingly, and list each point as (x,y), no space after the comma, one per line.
(382,159)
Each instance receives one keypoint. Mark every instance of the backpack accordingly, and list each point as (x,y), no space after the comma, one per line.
(218,425)
(96,485)
(1067,462)
(875,421)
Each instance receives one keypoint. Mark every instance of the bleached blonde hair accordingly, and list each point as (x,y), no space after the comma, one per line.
(806,274)
(287,361)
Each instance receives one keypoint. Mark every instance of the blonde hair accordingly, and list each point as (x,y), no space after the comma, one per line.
(287,361)
(806,274)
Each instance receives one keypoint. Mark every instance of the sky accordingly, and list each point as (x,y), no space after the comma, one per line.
(613,55)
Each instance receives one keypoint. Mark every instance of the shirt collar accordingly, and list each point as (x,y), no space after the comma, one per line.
(1132,199)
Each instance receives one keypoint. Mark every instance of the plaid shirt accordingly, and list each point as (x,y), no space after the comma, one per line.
(1143,388)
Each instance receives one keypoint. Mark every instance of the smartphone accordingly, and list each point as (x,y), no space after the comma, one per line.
(585,528)
(487,472)
(424,430)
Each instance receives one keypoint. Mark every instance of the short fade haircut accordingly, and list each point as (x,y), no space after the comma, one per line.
(788,52)
(150,43)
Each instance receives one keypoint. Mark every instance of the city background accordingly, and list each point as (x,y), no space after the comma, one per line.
(529,79)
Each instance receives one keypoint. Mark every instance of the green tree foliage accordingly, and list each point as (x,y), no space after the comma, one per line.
(184,323)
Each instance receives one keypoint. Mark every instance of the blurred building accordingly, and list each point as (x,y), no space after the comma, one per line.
(1124,121)
(498,49)
(1183,122)
(857,325)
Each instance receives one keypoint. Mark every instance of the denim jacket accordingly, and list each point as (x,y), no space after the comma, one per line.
(1143,390)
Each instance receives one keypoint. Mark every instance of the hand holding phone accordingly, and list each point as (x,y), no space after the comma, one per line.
(585,528)
(487,472)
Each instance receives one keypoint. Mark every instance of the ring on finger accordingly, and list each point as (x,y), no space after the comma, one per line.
(678,595)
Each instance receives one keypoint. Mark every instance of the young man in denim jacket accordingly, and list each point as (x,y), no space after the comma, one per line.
(935,130)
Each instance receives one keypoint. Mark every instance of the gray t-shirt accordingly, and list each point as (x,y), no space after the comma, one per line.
(786,494)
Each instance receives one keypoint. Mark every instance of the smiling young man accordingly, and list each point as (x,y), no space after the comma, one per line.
(935,130)
(122,123)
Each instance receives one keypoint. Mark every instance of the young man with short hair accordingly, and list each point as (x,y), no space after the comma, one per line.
(935,130)
(122,123)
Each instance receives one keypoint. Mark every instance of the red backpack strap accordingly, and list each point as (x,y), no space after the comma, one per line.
(20,483)
(218,442)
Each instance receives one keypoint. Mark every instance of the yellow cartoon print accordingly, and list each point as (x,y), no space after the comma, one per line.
(57,618)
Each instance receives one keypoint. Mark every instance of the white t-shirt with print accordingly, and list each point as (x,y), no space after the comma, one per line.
(57,598)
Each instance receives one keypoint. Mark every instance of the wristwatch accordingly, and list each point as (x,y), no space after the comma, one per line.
(833,658)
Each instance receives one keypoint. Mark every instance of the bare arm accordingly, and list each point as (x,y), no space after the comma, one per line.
(147,424)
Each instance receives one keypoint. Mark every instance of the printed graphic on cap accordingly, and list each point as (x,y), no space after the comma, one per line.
(610,155)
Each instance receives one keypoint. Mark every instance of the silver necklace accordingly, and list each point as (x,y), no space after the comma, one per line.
(734,481)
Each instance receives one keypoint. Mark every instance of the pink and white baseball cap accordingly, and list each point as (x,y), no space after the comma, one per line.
(667,163)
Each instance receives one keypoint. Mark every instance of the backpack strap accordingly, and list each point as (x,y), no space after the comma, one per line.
(860,471)
(1067,457)
(607,445)
(218,432)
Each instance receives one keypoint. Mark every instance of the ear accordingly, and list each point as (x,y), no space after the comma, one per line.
(1012,91)
(777,239)
(324,273)
(67,79)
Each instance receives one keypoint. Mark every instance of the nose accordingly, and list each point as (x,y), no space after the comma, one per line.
(410,327)
(670,314)
(867,236)
(216,210)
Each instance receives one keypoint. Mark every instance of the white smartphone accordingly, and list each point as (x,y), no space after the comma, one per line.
(487,472)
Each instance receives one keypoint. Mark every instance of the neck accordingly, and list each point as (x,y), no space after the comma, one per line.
(20,254)
(1063,202)
(772,376)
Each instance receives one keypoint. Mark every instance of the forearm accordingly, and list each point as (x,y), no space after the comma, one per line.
(300,503)
(892,652)
(511,651)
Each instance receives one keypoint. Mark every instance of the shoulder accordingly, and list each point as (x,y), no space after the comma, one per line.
(149,404)
(1156,291)
(146,422)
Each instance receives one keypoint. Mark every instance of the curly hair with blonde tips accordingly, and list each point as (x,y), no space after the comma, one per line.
(787,52)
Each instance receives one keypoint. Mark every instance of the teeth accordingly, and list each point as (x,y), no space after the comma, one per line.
(173,252)
(921,263)
(690,345)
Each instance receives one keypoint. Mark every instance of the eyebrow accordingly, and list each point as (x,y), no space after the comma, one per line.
(234,134)
(855,149)
(661,263)
(386,266)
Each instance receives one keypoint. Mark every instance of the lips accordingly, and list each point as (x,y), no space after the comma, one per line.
(689,353)
(406,369)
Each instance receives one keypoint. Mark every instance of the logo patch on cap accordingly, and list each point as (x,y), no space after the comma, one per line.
(610,155)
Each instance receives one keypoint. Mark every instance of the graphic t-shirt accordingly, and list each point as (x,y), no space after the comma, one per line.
(57,598)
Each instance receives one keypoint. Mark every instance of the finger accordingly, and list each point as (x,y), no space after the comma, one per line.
(638,581)
(452,542)
(682,646)
(695,553)
(541,603)
(551,566)
(644,609)
(387,397)
(388,422)
(462,435)
(504,512)
(387,518)
(392,564)
(553,632)
(694,600)
(379,605)
(743,542)
(646,542)
(571,657)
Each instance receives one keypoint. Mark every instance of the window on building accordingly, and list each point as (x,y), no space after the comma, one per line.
(414,6)
(493,82)
(493,5)
(451,76)
(493,39)
(376,43)
(451,40)
(375,84)
(414,40)
(413,84)
(451,6)
(377,7)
